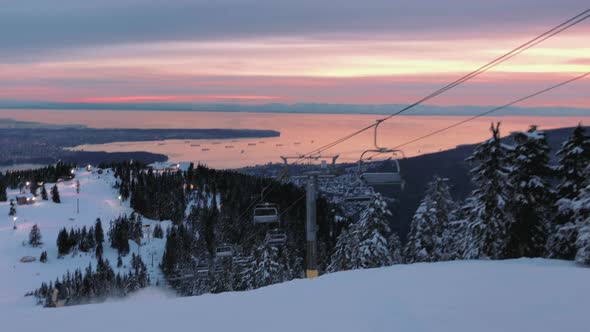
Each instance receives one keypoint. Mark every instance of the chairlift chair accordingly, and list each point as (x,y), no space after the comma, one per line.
(266,213)
(384,178)
(359,193)
(276,237)
(224,251)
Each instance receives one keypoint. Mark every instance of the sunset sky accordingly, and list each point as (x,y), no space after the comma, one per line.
(272,51)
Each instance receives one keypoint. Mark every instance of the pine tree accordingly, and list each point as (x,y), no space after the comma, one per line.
(43,257)
(371,231)
(341,259)
(425,240)
(531,195)
(158,232)
(63,242)
(12,211)
(44,193)
(35,236)
(98,232)
(3,195)
(268,270)
(395,249)
(55,194)
(574,156)
(489,219)
(577,232)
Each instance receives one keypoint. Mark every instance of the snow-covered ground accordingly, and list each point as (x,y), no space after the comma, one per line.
(98,199)
(518,295)
(513,295)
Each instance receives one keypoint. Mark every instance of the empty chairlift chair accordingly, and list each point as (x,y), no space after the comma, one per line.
(276,237)
(266,214)
(224,251)
(388,177)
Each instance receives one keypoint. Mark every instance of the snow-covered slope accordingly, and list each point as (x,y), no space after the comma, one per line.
(517,295)
(98,199)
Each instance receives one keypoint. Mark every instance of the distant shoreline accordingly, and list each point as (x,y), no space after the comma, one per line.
(301,108)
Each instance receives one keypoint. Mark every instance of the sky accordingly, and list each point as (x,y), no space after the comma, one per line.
(276,51)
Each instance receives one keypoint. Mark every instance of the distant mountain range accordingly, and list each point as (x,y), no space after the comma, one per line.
(299,108)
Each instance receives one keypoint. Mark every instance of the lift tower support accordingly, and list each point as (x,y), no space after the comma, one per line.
(311,192)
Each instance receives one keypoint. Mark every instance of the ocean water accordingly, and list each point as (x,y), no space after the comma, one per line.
(300,133)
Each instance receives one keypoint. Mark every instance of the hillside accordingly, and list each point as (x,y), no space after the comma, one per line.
(515,295)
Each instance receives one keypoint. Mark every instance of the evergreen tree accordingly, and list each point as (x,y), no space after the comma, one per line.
(99,250)
(44,193)
(395,249)
(371,231)
(63,242)
(158,232)
(55,194)
(35,236)
(489,218)
(268,269)
(98,232)
(425,240)
(574,156)
(119,261)
(43,257)
(12,211)
(531,195)
(3,195)
(576,234)
(341,259)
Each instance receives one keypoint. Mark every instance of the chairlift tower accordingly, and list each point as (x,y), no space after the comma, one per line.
(311,192)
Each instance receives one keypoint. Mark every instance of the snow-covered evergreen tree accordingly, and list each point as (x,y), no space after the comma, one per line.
(370,234)
(395,247)
(489,218)
(531,198)
(575,235)
(268,270)
(574,156)
(341,259)
(35,236)
(429,223)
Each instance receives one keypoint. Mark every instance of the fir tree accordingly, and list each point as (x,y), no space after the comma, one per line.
(98,232)
(35,236)
(55,194)
(574,156)
(576,234)
(489,218)
(43,257)
(44,193)
(395,249)
(425,240)
(268,270)
(63,242)
(341,259)
(158,232)
(531,195)
(12,211)
(3,195)
(371,231)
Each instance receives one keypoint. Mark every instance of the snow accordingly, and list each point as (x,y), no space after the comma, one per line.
(512,295)
(98,199)
(515,295)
